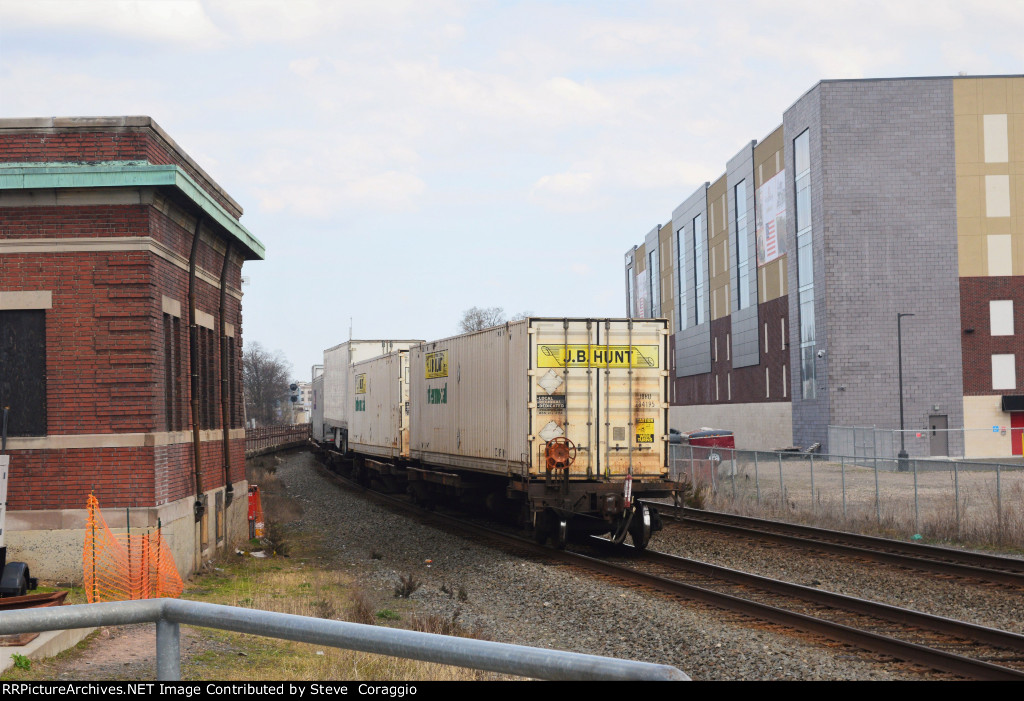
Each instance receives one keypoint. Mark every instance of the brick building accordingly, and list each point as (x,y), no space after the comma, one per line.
(120,339)
(783,278)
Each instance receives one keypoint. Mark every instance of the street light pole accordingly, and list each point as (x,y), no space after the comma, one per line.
(903,457)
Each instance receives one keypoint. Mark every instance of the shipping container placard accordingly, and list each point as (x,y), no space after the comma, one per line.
(551,404)
(560,356)
(361,384)
(645,430)
(437,365)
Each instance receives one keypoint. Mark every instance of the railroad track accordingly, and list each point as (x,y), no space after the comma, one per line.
(928,558)
(956,647)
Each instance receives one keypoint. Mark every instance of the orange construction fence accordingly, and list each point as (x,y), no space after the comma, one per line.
(124,566)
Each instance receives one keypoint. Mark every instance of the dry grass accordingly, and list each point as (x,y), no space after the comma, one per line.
(306,584)
(982,520)
(304,588)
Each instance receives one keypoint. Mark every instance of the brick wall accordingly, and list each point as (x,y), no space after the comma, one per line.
(980,345)
(748,383)
(105,359)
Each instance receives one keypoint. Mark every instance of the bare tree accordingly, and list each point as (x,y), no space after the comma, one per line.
(476,318)
(265,379)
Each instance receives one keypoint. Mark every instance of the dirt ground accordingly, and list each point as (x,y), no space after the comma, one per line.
(122,653)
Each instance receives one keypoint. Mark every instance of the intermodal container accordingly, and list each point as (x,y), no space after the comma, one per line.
(491,401)
(379,423)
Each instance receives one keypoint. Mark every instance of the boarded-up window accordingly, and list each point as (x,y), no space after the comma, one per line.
(207,371)
(172,373)
(23,374)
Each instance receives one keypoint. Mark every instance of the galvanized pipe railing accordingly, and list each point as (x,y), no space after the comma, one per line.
(169,614)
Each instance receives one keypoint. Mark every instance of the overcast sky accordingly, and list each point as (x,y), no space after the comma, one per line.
(405,160)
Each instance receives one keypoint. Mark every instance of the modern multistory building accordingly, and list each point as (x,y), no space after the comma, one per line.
(882,219)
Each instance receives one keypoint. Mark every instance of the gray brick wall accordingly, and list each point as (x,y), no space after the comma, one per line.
(883,187)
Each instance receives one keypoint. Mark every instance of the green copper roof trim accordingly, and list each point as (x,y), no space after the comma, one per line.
(40,176)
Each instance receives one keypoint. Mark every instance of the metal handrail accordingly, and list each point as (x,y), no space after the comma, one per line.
(168,614)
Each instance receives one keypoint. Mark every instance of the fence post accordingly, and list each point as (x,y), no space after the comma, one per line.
(813,498)
(999,506)
(917,511)
(956,495)
(782,485)
(757,486)
(878,507)
(168,651)
(842,470)
(733,473)
(874,448)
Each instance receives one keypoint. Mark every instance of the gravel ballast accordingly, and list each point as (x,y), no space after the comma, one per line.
(527,602)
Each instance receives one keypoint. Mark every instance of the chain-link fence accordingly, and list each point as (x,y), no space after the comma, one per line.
(980,502)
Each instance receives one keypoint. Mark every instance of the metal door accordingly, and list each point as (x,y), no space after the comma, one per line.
(1017,432)
(938,435)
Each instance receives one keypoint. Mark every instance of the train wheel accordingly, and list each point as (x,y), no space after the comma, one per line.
(543,528)
(640,527)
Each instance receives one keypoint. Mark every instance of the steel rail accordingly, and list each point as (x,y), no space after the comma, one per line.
(873,642)
(929,558)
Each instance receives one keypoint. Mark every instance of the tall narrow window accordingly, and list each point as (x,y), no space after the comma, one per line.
(805,265)
(699,269)
(23,370)
(742,253)
(681,273)
(655,279)
(172,373)
(631,292)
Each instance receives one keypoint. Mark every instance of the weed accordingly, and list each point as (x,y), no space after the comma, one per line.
(20,661)
(463,595)
(432,623)
(388,615)
(360,610)
(445,589)
(407,586)
(324,608)
(374,555)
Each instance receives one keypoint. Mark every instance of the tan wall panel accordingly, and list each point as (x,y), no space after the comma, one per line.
(972,256)
(667,260)
(967,141)
(995,94)
(980,414)
(990,195)
(718,252)
(965,97)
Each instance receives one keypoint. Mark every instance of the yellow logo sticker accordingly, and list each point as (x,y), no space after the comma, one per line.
(560,356)
(645,430)
(361,384)
(437,365)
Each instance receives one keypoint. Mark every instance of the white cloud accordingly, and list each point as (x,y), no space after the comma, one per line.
(172,21)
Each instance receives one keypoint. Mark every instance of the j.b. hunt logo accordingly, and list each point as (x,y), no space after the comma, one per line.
(437,395)
(560,356)
(436,365)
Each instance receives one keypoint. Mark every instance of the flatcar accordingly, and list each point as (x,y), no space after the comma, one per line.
(560,424)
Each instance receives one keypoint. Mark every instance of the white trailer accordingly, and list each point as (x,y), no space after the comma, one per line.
(571,414)
(338,396)
(379,425)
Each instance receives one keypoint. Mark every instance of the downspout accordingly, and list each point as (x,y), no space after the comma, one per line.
(193,344)
(225,413)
